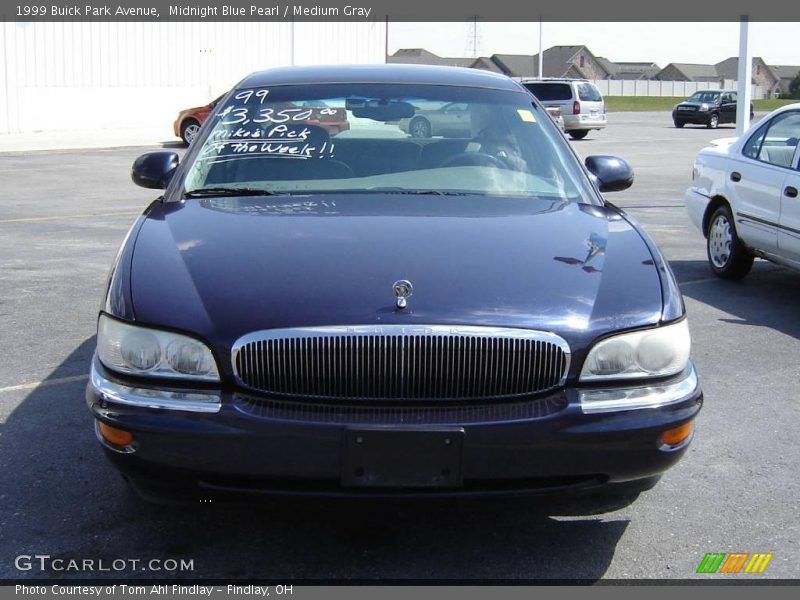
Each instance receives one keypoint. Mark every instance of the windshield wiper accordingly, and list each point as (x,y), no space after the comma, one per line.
(227,191)
(416,192)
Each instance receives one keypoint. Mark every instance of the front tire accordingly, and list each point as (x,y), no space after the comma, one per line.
(713,121)
(578,134)
(679,124)
(727,256)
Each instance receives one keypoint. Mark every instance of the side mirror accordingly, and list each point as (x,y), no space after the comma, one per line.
(612,174)
(154,169)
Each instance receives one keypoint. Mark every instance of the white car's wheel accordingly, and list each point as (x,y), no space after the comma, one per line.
(420,128)
(728,257)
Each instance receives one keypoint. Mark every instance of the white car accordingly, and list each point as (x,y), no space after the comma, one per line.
(744,196)
(581,103)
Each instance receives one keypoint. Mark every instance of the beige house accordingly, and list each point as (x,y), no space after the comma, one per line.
(571,61)
(786,73)
(688,72)
(763,75)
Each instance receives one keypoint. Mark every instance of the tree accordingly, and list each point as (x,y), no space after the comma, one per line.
(794,87)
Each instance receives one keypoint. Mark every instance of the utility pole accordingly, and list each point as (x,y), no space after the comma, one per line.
(541,57)
(745,88)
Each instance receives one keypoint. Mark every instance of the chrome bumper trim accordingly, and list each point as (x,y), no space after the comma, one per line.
(652,396)
(146,397)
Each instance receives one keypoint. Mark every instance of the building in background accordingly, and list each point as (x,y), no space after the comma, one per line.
(688,72)
(620,78)
(763,75)
(629,70)
(68,76)
(420,56)
(786,73)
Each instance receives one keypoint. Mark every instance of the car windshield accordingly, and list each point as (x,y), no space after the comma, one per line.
(394,138)
(703,97)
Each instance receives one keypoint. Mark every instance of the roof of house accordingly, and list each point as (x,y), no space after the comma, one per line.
(420,56)
(786,71)
(515,65)
(729,68)
(487,64)
(629,70)
(694,72)
(610,66)
(558,61)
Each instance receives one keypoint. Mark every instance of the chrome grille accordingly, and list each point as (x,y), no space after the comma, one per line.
(401,363)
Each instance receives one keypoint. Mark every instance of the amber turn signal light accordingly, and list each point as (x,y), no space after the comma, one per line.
(114,436)
(677,435)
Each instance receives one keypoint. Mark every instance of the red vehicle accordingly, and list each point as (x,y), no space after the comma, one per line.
(189,120)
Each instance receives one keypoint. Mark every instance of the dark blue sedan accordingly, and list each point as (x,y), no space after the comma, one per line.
(310,309)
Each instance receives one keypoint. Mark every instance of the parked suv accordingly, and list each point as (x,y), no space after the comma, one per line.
(707,107)
(581,103)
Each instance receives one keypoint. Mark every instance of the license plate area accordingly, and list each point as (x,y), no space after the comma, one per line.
(402,458)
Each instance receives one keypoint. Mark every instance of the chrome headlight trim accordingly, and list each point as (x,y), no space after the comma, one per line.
(652,396)
(146,397)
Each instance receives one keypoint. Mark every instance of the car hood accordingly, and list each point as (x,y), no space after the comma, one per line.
(221,268)
(696,104)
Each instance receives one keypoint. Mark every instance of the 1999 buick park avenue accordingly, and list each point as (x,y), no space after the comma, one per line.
(309,310)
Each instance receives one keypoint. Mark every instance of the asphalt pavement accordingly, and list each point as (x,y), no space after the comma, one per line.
(64,214)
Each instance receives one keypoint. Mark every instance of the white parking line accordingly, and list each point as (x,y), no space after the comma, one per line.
(55,218)
(43,383)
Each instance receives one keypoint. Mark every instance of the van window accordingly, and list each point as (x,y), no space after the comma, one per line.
(589,93)
(545,92)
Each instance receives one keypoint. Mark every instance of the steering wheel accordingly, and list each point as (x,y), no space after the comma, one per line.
(474,159)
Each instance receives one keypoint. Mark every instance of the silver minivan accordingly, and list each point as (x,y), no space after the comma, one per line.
(581,103)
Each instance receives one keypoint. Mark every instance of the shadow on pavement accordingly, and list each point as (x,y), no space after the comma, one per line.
(767,297)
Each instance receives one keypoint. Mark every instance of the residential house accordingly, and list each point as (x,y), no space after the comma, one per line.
(515,65)
(559,61)
(688,72)
(786,73)
(629,70)
(487,64)
(571,61)
(420,56)
(763,75)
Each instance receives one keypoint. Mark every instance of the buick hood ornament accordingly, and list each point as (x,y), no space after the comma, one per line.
(402,290)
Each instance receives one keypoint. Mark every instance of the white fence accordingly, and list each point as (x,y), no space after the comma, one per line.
(68,76)
(682,89)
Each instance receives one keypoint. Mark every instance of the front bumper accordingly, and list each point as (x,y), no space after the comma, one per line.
(696,205)
(245,444)
(693,117)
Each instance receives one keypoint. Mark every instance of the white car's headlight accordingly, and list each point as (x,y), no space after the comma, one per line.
(649,353)
(146,352)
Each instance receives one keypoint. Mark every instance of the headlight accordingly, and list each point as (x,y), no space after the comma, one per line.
(650,353)
(146,352)
(704,106)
